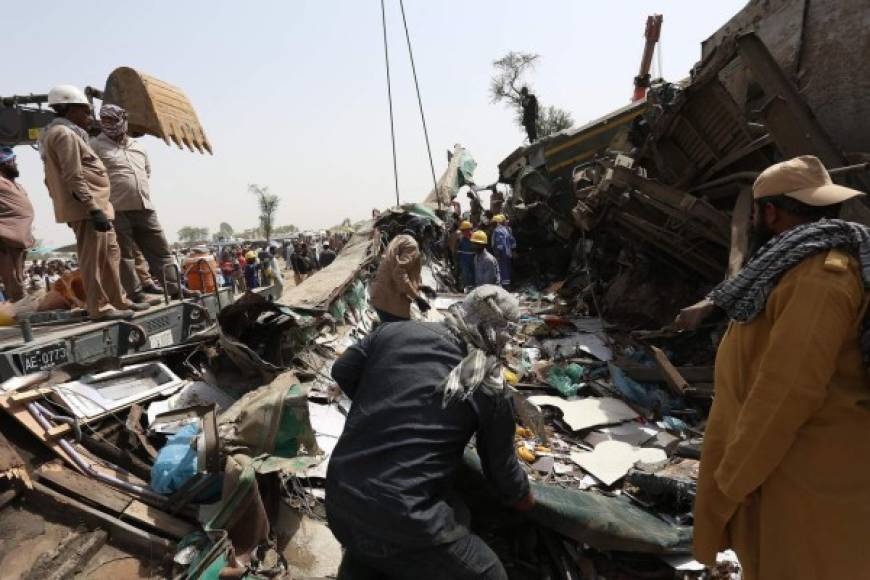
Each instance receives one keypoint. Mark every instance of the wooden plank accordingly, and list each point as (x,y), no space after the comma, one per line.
(23,416)
(169,525)
(122,533)
(59,431)
(672,376)
(654,374)
(85,487)
(126,506)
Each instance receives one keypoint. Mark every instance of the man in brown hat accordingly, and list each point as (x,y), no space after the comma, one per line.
(783,480)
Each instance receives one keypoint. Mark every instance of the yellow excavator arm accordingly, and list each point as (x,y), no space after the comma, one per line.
(154,107)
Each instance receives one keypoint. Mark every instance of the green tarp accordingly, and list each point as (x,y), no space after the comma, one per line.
(603,522)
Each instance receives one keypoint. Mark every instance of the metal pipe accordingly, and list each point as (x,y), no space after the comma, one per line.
(26,328)
(850,169)
(752,175)
(88,468)
(177,282)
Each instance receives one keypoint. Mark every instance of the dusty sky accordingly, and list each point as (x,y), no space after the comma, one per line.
(292,94)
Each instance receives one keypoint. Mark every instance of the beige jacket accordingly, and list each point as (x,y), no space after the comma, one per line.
(398,280)
(75,177)
(129,170)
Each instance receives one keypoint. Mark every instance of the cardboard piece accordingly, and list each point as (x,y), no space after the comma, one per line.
(586,413)
(611,460)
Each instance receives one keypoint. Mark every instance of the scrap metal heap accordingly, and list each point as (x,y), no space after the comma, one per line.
(647,208)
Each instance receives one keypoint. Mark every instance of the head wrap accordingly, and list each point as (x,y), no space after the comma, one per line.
(113,120)
(6,154)
(481,320)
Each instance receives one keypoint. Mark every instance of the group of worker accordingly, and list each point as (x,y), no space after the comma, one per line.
(475,263)
(99,186)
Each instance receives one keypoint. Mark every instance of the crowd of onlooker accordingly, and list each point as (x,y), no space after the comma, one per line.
(41,274)
(243,265)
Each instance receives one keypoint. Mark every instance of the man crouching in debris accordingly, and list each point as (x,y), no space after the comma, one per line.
(420,391)
(398,281)
(784,480)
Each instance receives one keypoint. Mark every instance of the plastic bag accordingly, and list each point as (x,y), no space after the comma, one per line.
(176,463)
(567,380)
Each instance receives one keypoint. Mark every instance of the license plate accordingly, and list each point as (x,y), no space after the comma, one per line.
(42,358)
(160,339)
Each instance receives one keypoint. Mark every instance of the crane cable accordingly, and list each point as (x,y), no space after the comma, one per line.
(420,103)
(390,100)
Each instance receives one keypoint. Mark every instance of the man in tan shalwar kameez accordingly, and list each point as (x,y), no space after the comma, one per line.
(785,476)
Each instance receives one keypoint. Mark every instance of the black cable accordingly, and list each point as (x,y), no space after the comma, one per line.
(390,99)
(420,102)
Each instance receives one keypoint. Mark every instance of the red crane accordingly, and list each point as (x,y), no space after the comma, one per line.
(652,34)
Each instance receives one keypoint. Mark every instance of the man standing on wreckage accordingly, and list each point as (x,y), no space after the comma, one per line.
(785,478)
(420,391)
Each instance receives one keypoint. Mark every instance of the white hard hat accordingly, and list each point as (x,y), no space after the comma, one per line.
(67,95)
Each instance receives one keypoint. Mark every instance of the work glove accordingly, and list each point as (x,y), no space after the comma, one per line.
(100,220)
(429,292)
(422,304)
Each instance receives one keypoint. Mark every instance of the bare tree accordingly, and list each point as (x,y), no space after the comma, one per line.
(507,81)
(268,206)
(552,120)
(505,85)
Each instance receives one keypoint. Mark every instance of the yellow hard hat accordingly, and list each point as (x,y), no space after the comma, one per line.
(251,255)
(479,237)
(499,218)
(465,225)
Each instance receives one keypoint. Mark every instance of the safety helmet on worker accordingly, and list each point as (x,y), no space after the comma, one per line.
(67,95)
(251,255)
(479,237)
(465,225)
(499,218)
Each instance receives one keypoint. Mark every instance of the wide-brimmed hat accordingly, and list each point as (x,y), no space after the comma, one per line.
(803,178)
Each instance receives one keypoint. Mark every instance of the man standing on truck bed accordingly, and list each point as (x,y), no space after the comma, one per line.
(79,187)
(136,221)
(16,226)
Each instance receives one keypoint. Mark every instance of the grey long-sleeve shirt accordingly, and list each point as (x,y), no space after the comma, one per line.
(390,474)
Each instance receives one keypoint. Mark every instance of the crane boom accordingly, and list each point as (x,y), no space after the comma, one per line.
(652,34)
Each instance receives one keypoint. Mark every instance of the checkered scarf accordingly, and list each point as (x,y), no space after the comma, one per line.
(745,296)
(113,121)
(481,321)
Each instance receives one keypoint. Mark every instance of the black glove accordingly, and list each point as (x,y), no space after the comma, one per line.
(422,304)
(100,221)
(429,292)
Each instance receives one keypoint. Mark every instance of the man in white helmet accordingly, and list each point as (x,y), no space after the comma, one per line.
(79,189)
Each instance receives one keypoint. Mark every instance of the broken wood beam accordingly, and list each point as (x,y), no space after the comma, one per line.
(692,374)
(122,505)
(121,533)
(672,376)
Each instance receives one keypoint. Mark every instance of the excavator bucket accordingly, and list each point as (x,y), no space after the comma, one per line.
(156,108)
